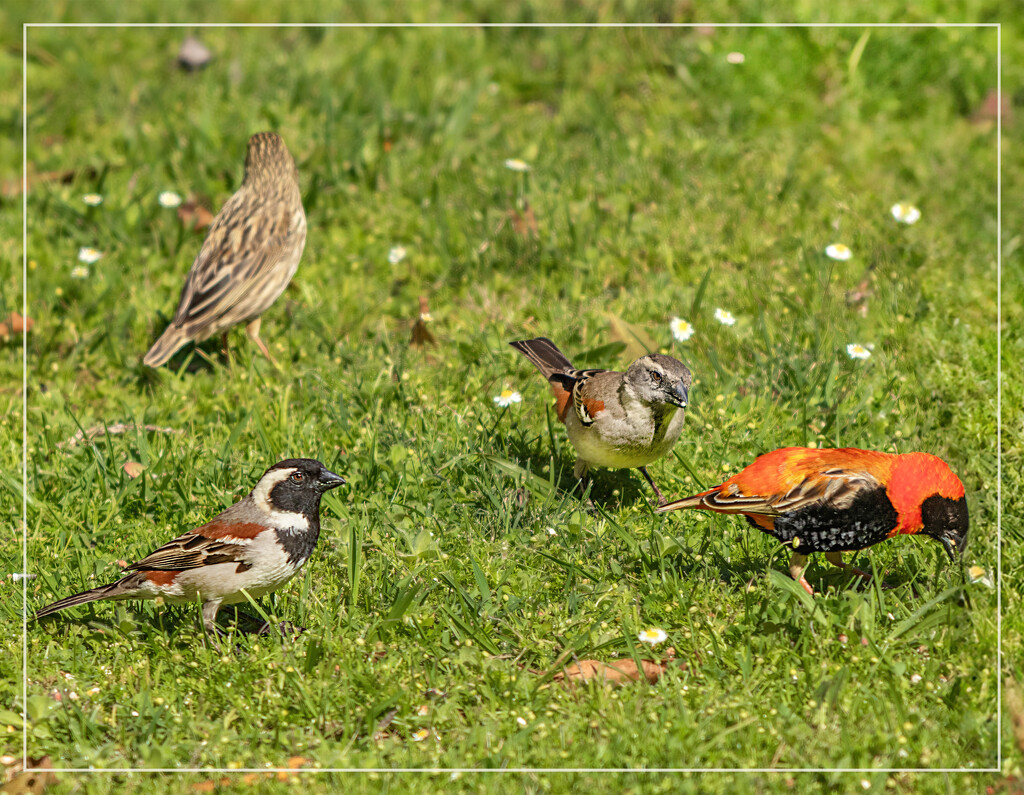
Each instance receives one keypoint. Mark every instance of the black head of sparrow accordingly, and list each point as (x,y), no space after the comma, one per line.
(252,548)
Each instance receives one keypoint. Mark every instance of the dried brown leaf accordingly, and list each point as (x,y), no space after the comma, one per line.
(15,324)
(616,673)
(637,341)
(133,468)
(524,223)
(420,333)
(31,782)
(194,216)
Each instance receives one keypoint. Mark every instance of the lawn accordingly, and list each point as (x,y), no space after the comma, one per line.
(458,570)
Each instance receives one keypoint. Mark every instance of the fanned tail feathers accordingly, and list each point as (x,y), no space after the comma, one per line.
(544,354)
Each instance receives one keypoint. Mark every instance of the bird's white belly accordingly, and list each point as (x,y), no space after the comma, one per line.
(618,444)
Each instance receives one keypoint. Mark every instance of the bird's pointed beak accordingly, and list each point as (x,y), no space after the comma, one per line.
(328,480)
(680,395)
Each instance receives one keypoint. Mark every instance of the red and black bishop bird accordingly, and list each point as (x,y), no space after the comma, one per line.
(842,500)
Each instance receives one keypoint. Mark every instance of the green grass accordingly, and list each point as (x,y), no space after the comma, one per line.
(665,182)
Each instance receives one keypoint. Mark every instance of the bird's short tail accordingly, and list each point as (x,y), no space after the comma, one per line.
(544,354)
(103,592)
(165,347)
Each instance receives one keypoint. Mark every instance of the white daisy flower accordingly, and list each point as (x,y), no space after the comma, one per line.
(857,351)
(397,254)
(653,636)
(93,199)
(88,255)
(169,199)
(515,164)
(507,398)
(725,318)
(80,272)
(980,576)
(681,329)
(838,251)
(735,57)
(420,735)
(915,679)
(551,532)
(906,213)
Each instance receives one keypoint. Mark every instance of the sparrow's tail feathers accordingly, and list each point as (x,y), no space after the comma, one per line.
(696,501)
(544,354)
(103,592)
(165,347)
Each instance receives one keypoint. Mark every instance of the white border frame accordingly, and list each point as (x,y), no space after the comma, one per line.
(25,398)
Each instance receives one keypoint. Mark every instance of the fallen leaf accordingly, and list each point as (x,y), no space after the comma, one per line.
(133,468)
(524,223)
(31,782)
(616,673)
(420,333)
(637,341)
(295,762)
(193,54)
(194,216)
(15,324)
(204,786)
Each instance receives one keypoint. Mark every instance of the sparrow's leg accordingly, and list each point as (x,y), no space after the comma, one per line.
(210,609)
(227,351)
(646,474)
(253,332)
(836,559)
(797,564)
(580,471)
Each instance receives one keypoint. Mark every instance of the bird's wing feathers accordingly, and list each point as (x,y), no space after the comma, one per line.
(835,488)
(241,248)
(216,542)
(584,401)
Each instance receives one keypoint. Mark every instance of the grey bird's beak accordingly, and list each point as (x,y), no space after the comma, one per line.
(328,480)
(680,395)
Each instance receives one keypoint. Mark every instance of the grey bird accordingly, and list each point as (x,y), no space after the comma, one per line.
(254,547)
(249,256)
(615,420)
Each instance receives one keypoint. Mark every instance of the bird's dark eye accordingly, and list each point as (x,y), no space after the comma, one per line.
(656,377)
(297,477)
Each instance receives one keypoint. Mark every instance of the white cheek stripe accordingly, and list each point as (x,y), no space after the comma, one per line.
(261,494)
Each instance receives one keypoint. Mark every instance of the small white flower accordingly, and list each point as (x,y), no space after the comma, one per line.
(653,636)
(169,199)
(681,329)
(515,164)
(93,691)
(725,318)
(93,199)
(906,213)
(915,679)
(865,783)
(422,710)
(839,251)
(88,255)
(857,351)
(420,735)
(735,57)
(425,317)
(80,272)
(980,576)
(397,254)
(507,398)
(19,576)
(551,532)
(521,721)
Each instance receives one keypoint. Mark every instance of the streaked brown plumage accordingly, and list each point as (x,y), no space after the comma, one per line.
(249,256)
